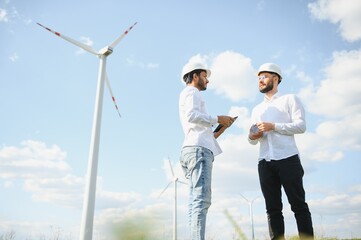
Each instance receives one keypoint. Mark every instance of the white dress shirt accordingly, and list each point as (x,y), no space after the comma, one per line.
(288,115)
(196,122)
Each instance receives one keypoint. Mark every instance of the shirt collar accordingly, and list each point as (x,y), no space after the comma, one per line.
(275,96)
(192,87)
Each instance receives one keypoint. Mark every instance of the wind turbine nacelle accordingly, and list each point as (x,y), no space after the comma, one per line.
(106,51)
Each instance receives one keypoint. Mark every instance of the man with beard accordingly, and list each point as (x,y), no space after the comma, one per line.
(276,119)
(199,146)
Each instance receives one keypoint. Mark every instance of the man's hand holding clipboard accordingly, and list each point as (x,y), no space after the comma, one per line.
(220,128)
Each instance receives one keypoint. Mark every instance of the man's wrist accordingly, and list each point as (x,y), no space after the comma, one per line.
(213,120)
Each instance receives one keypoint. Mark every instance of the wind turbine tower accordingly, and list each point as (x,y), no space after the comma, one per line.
(250,205)
(86,231)
(174,181)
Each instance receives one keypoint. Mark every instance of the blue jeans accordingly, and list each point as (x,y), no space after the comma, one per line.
(197,163)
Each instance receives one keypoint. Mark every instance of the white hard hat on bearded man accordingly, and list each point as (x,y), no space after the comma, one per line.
(270,67)
(191,66)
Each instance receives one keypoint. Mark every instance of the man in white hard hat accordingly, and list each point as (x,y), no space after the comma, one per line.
(199,146)
(276,120)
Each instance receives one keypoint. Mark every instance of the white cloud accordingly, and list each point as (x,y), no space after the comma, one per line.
(134,63)
(44,171)
(346,13)
(338,99)
(14,57)
(47,176)
(147,221)
(26,230)
(237,163)
(11,15)
(68,191)
(64,191)
(303,77)
(130,61)
(343,203)
(244,117)
(347,129)
(232,74)
(8,184)
(3,15)
(339,95)
(324,144)
(235,171)
(152,65)
(111,200)
(33,160)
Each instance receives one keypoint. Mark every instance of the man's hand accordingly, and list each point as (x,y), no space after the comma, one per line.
(265,126)
(226,121)
(254,132)
(257,130)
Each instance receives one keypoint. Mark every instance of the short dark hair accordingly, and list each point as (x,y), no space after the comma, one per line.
(187,78)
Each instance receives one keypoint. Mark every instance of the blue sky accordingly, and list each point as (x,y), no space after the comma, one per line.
(47,99)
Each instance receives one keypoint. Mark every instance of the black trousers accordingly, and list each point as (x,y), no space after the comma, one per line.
(286,173)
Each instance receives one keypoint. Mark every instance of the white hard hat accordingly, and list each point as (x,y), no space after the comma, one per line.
(270,67)
(189,67)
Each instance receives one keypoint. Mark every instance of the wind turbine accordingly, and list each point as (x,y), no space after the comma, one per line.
(86,230)
(174,181)
(250,204)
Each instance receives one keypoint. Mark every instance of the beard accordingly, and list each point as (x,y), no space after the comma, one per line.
(202,86)
(267,88)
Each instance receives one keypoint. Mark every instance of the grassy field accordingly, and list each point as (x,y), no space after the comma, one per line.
(142,228)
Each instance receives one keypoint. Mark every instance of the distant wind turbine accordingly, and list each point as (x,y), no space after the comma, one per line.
(250,204)
(86,231)
(174,181)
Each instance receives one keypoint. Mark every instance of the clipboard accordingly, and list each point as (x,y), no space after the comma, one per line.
(220,126)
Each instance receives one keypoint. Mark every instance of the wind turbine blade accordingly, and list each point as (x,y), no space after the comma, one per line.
(171,168)
(115,43)
(111,93)
(76,43)
(182,182)
(244,197)
(165,189)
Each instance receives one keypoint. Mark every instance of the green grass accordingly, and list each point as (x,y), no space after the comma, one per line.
(236,227)
(146,227)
